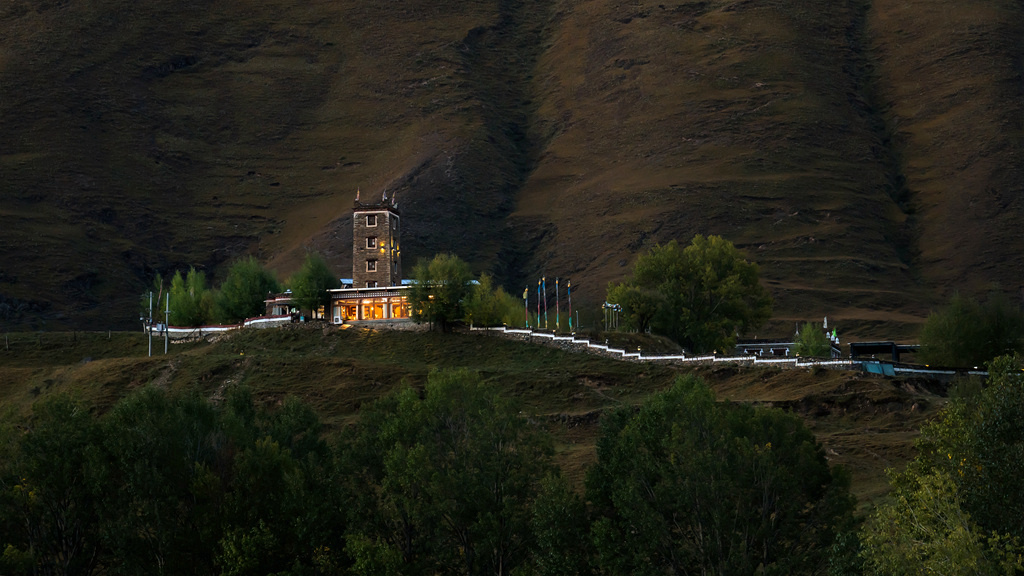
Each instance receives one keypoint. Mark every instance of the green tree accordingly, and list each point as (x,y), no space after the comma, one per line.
(640,306)
(244,291)
(452,475)
(160,511)
(284,510)
(191,300)
(489,305)
(978,441)
(924,529)
(691,486)
(812,341)
(311,283)
(700,296)
(959,501)
(49,493)
(154,297)
(561,528)
(970,333)
(439,290)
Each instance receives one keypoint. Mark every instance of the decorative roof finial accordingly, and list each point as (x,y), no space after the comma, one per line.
(357,194)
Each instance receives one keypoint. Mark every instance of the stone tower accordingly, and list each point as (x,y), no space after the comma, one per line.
(376,253)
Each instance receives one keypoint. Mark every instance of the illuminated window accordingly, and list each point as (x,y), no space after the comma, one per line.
(371,241)
(371,219)
(371,265)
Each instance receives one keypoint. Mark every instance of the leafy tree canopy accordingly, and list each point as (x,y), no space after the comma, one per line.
(958,505)
(169,484)
(191,299)
(489,305)
(439,290)
(812,341)
(48,492)
(700,296)
(244,291)
(970,333)
(455,472)
(691,486)
(311,283)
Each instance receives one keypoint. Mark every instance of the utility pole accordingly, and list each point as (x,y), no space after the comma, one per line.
(149,323)
(167,323)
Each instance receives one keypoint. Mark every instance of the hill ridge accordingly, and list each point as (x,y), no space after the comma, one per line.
(854,149)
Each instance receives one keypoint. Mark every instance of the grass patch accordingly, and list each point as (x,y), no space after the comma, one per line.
(865,423)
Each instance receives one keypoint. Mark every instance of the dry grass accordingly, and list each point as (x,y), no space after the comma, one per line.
(866,424)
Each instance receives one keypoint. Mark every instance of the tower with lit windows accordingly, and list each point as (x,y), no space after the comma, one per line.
(376,252)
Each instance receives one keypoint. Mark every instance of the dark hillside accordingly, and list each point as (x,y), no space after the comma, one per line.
(868,155)
(951,80)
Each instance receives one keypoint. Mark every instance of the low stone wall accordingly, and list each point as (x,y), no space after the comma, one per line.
(397,324)
(571,343)
(268,321)
(584,345)
(194,333)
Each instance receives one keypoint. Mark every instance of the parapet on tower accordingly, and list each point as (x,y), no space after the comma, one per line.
(376,252)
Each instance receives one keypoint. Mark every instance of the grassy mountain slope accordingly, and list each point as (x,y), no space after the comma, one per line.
(865,423)
(867,154)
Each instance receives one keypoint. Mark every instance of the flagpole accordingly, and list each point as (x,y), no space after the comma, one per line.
(569,288)
(538,303)
(526,305)
(558,324)
(544,280)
